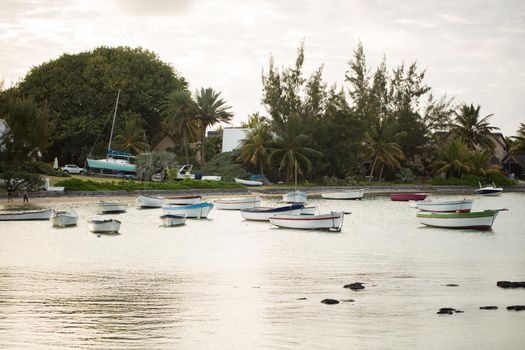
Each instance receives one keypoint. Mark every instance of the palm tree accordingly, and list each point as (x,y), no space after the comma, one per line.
(472,130)
(480,163)
(380,146)
(518,146)
(178,112)
(290,148)
(256,147)
(210,109)
(131,137)
(453,159)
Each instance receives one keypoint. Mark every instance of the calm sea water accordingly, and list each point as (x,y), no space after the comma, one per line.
(225,283)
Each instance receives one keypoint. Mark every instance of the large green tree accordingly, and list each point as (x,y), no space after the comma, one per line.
(179,121)
(256,147)
(518,142)
(210,109)
(80,90)
(473,129)
(453,159)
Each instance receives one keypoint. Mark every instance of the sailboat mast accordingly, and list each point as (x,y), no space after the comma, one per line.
(113,125)
(295,175)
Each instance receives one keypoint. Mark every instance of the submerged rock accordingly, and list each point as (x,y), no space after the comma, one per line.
(509,284)
(301,298)
(448,311)
(516,307)
(348,300)
(330,301)
(355,286)
(452,285)
(488,307)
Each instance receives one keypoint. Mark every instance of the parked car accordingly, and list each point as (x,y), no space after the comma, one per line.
(73,169)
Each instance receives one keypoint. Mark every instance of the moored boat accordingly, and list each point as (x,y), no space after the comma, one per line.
(149,201)
(237,203)
(198,210)
(64,218)
(463,206)
(248,182)
(480,220)
(405,197)
(111,207)
(264,213)
(490,190)
(40,214)
(183,200)
(347,194)
(330,221)
(103,225)
(295,197)
(173,219)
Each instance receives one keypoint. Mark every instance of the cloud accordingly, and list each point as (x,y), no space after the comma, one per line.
(153,7)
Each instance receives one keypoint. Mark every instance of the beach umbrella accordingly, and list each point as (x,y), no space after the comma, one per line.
(55,164)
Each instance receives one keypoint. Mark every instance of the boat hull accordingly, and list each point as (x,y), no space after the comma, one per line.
(173,220)
(405,197)
(44,214)
(64,218)
(149,202)
(295,197)
(248,182)
(104,225)
(109,207)
(331,221)
(183,200)
(265,213)
(237,203)
(489,191)
(474,220)
(346,195)
(112,165)
(199,210)
(463,206)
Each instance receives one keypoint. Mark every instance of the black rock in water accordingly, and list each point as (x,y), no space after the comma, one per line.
(448,311)
(508,284)
(301,298)
(329,301)
(488,307)
(516,307)
(355,286)
(452,285)
(348,300)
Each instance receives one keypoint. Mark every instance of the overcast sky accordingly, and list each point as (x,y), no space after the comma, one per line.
(472,50)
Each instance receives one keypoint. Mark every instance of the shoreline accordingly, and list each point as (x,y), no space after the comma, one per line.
(44,196)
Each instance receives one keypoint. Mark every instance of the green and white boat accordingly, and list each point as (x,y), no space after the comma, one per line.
(480,220)
(118,163)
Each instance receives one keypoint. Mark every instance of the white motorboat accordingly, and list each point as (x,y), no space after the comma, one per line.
(264,213)
(111,207)
(480,220)
(41,214)
(149,201)
(199,210)
(295,197)
(330,221)
(211,177)
(183,200)
(173,219)
(237,203)
(490,190)
(248,182)
(64,218)
(103,225)
(463,206)
(347,194)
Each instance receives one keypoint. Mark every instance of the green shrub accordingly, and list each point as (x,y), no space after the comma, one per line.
(224,165)
(88,185)
(37,167)
(473,180)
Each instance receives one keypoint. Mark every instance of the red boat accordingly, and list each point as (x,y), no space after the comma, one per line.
(405,197)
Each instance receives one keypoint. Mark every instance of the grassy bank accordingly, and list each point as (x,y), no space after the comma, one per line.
(77,184)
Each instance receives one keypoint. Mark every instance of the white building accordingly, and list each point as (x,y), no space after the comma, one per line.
(232,137)
(4,129)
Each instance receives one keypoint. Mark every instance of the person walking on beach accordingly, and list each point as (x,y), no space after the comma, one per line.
(26,198)
(9,196)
